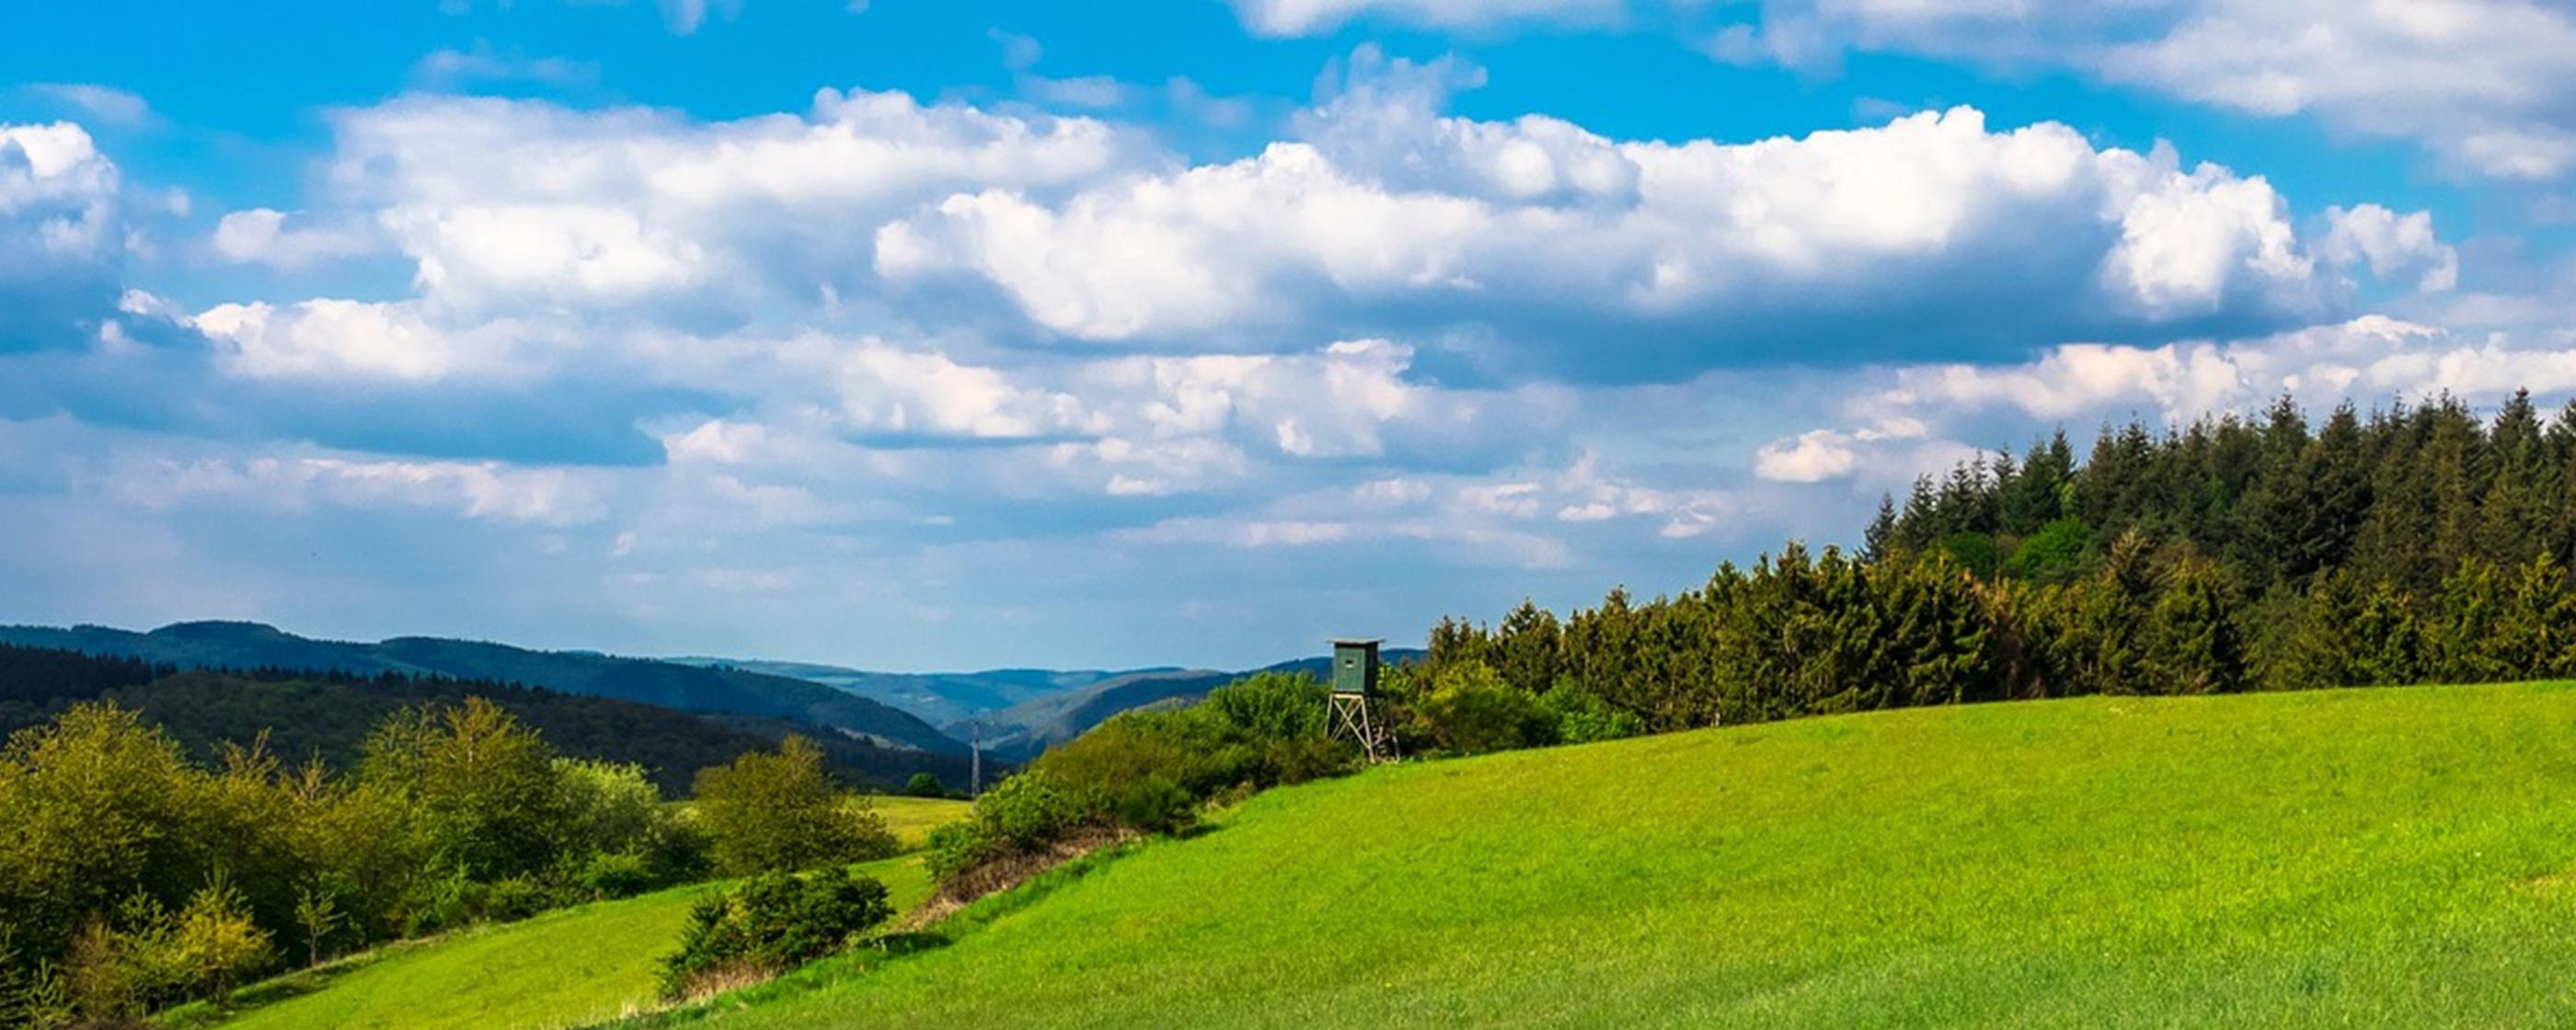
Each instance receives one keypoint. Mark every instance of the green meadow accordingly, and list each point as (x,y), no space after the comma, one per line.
(564,968)
(2390,857)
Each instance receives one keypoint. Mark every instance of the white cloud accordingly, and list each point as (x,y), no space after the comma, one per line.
(328,338)
(262,236)
(506,203)
(2480,82)
(1427,214)
(1819,455)
(105,105)
(2392,245)
(1317,17)
(62,235)
(474,490)
(448,67)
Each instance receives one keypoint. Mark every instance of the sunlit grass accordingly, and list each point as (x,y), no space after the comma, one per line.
(2368,858)
(564,968)
(911,819)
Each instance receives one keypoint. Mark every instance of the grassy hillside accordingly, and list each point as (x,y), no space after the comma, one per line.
(2376,857)
(564,968)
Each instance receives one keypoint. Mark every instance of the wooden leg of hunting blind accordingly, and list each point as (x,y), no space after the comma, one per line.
(1353,718)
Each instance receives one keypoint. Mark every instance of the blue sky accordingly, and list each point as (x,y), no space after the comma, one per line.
(912,334)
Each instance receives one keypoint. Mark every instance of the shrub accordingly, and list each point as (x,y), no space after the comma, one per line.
(1582,717)
(1027,810)
(607,806)
(1023,813)
(1157,805)
(780,812)
(512,899)
(621,874)
(148,956)
(771,924)
(952,849)
(924,785)
(1470,710)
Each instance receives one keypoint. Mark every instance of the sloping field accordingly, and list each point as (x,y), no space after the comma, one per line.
(2378,857)
(564,968)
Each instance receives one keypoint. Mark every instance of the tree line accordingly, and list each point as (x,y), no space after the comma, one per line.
(2419,544)
(133,876)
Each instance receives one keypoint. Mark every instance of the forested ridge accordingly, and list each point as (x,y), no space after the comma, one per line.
(2415,543)
(327,714)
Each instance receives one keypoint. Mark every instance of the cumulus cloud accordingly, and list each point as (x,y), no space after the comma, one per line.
(2480,82)
(62,236)
(509,203)
(1708,253)
(329,338)
(1824,454)
(2392,245)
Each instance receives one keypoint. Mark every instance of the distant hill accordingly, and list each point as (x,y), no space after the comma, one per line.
(940,698)
(695,688)
(1023,730)
(328,715)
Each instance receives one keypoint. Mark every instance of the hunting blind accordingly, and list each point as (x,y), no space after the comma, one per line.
(1354,699)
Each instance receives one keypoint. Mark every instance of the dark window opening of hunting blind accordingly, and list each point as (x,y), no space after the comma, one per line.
(1355,667)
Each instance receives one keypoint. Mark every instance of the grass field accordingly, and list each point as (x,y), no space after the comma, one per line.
(911,819)
(2370,858)
(564,968)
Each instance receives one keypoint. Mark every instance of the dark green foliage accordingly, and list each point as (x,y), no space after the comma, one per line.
(1469,709)
(132,877)
(774,922)
(780,812)
(924,785)
(480,787)
(2053,554)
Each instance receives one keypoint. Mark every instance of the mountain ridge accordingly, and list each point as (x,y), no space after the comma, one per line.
(221,645)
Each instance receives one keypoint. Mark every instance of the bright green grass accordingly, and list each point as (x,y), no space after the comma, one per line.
(2364,858)
(564,968)
(911,819)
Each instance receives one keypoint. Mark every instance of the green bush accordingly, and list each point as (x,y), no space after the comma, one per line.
(924,785)
(780,812)
(1470,710)
(773,923)
(1152,771)
(622,874)
(1023,813)
(952,849)
(1157,805)
(1582,717)
(148,956)
(513,899)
